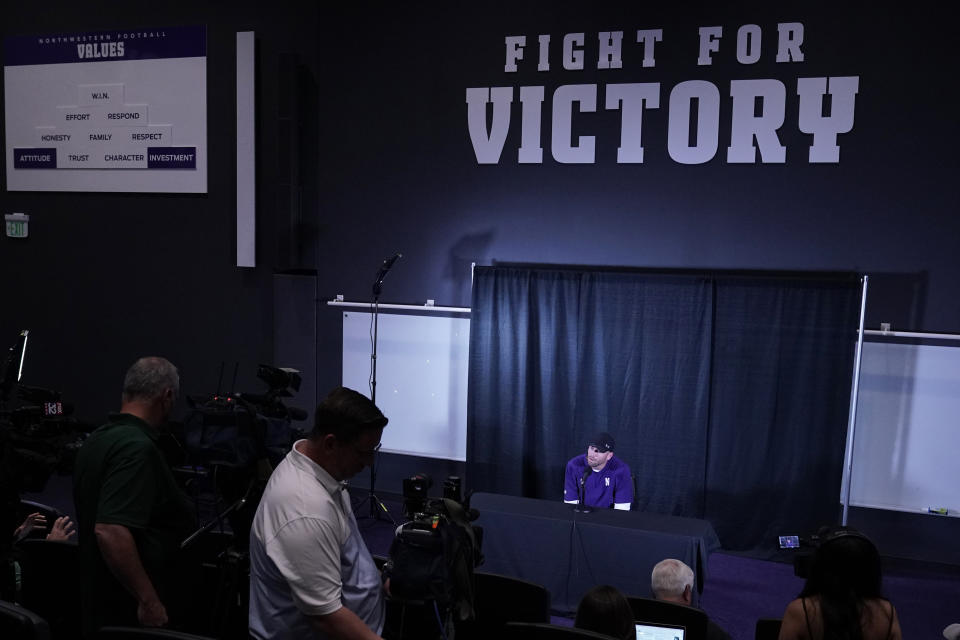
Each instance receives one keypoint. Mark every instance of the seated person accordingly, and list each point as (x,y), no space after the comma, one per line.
(603,478)
(605,610)
(673,581)
(842,597)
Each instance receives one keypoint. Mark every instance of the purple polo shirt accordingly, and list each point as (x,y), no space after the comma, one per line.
(610,485)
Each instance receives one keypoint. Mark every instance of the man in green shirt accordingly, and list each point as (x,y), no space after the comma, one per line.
(131,514)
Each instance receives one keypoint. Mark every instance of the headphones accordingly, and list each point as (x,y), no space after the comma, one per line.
(831,534)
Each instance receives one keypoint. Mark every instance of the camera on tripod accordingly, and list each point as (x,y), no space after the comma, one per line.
(806,546)
(233,440)
(433,555)
(37,433)
(415,488)
(238,438)
(238,429)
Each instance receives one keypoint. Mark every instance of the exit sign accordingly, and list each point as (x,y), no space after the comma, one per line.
(17,225)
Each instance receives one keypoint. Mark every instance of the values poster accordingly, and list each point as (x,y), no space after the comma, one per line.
(119,110)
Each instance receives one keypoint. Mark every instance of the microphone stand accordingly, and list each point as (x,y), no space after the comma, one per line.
(582,495)
(377,508)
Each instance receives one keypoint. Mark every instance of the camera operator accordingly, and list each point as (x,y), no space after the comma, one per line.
(311,574)
(842,597)
(130,512)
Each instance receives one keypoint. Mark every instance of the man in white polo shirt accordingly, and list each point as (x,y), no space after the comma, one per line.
(311,575)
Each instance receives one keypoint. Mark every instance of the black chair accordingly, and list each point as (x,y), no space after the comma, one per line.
(505,599)
(17,623)
(144,633)
(51,584)
(768,629)
(541,631)
(501,599)
(660,612)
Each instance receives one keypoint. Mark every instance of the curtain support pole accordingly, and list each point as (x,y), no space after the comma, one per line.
(851,422)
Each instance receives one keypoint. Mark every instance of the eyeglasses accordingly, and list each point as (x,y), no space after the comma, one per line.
(369,452)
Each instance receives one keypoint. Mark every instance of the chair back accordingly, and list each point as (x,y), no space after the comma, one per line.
(660,612)
(542,631)
(17,623)
(51,584)
(144,633)
(768,629)
(500,599)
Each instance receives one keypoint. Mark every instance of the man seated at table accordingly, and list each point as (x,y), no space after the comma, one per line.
(603,479)
(673,581)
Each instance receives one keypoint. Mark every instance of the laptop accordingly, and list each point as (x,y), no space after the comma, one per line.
(655,631)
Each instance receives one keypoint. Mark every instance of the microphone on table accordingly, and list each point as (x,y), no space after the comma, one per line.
(581,506)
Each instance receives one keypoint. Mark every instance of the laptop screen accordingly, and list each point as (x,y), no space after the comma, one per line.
(650,631)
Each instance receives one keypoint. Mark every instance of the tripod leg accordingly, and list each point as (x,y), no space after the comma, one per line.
(378,509)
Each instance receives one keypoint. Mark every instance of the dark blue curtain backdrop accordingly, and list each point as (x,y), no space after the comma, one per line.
(727,394)
(782,366)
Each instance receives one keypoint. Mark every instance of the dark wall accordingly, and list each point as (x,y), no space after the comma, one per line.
(105,278)
(399,173)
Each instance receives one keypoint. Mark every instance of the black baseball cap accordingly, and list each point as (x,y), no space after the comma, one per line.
(603,441)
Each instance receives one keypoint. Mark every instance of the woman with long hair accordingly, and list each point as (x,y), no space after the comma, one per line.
(605,610)
(842,599)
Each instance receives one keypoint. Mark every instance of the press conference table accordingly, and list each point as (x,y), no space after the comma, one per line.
(547,542)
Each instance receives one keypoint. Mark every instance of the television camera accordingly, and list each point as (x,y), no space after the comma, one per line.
(37,433)
(233,440)
(239,429)
(37,437)
(433,554)
(806,546)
